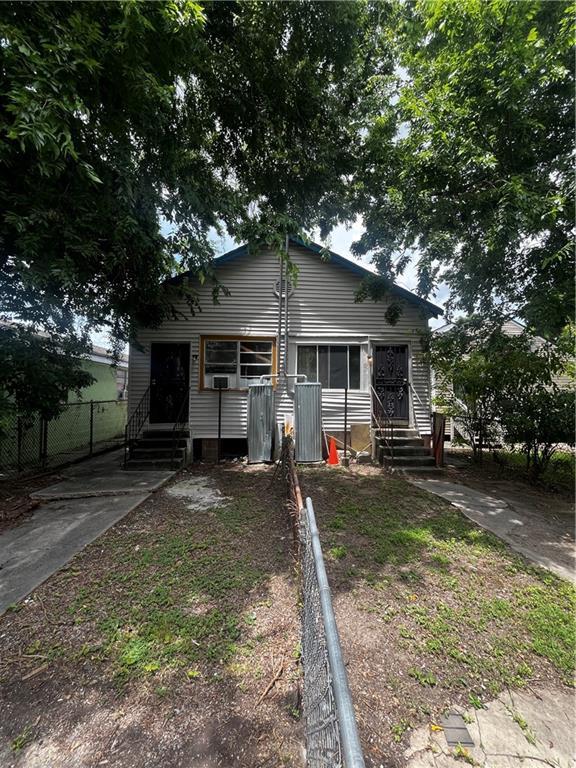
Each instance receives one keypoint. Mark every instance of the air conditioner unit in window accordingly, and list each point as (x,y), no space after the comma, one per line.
(220,382)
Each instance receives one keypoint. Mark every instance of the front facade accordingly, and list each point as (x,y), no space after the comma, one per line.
(314,331)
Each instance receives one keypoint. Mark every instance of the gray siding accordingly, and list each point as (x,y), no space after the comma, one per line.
(321,310)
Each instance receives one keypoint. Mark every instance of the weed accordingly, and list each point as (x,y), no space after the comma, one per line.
(524,727)
(399,729)
(193,674)
(461,753)
(338,552)
(423,677)
(337,523)
(475,701)
(22,740)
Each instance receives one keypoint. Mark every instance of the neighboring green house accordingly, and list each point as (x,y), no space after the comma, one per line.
(91,422)
(109,383)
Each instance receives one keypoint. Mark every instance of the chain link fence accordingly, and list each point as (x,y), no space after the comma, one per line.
(80,430)
(322,733)
(330,723)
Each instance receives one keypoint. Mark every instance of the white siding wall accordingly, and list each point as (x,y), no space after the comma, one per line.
(321,309)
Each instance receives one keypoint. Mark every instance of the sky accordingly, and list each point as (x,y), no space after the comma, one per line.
(339,241)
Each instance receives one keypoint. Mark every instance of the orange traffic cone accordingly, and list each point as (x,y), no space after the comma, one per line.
(333,453)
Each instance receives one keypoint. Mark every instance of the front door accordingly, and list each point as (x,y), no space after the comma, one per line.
(390,380)
(169,377)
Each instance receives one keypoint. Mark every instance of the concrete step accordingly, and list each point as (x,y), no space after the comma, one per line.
(415,442)
(141,464)
(411,471)
(406,450)
(163,442)
(142,451)
(413,461)
(402,432)
(165,433)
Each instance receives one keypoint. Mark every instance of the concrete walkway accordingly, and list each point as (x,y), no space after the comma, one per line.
(92,497)
(545,541)
(530,728)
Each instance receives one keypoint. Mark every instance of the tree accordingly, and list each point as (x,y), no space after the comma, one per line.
(129,131)
(490,383)
(471,167)
(540,420)
(469,372)
(38,372)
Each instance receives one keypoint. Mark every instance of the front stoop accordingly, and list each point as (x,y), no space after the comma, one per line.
(160,449)
(407,454)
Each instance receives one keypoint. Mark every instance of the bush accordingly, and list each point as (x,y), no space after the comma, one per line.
(540,420)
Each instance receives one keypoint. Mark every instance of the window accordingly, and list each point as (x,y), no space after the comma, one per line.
(336,366)
(242,360)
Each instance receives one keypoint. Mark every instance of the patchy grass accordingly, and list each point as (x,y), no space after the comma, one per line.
(170,605)
(172,610)
(433,610)
(511,466)
(558,474)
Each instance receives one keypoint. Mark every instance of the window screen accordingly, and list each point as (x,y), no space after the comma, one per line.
(242,359)
(335,366)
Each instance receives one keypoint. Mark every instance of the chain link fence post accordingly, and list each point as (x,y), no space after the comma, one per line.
(19,445)
(91,439)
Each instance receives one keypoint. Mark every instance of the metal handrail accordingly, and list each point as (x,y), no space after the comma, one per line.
(412,405)
(387,424)
(348,730)
(179,424)
(136,422)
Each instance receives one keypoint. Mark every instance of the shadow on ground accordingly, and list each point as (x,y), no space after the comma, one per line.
(155,644)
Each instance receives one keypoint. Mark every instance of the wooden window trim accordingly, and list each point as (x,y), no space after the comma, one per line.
(231,337)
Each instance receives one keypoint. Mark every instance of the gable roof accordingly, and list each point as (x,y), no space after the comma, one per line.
(333,258)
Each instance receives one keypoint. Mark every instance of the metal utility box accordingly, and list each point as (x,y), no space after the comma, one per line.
(308,422)
(260,422)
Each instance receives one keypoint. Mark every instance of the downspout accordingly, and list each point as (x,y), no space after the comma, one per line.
(285,366)
(279,334)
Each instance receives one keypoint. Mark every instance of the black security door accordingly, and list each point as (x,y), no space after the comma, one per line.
(169,377)
(390,374)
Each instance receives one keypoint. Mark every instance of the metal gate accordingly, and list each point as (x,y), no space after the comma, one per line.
(391,381)
(260,422)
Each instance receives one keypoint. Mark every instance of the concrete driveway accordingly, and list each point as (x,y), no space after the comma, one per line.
(92,497)
(534,533)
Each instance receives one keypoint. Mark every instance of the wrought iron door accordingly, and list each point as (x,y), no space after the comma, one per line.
(390,374)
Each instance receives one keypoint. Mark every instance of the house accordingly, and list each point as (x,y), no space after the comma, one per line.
(314,329)
(91,421)
(110,381)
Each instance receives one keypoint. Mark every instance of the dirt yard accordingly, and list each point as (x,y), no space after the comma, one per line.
(433,611)
(173,640)
(159,644)
(15,502)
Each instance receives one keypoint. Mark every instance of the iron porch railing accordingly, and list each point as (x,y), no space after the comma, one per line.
(135,423)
